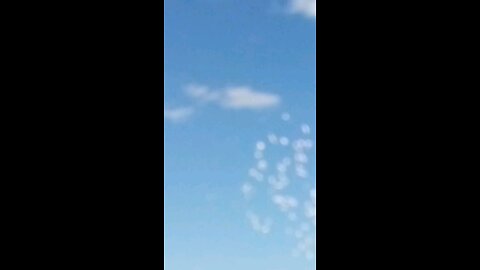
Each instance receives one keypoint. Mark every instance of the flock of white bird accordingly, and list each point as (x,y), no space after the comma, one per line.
(281,185)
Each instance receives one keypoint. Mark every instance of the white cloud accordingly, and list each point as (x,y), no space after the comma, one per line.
(307,8)
(234,97)
(246,98)
(202,93)
(178,114)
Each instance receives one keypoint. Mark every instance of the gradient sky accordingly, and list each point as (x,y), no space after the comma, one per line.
(232,70)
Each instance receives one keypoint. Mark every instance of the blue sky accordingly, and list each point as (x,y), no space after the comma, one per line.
(236,74)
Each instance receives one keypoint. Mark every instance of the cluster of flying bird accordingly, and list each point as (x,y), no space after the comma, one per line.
(281,178)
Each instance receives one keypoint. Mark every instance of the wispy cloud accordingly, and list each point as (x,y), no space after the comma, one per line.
(237,98)
(178,114)
(234,98)
(307,8)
